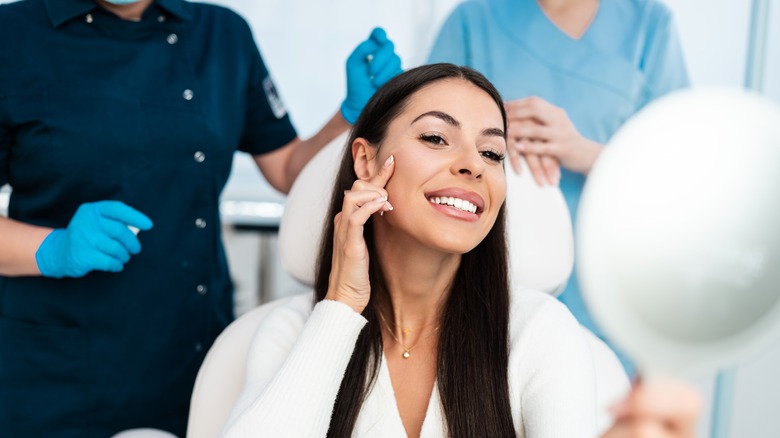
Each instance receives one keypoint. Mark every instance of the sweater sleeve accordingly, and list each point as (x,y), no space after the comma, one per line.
(294,373)
(554,374)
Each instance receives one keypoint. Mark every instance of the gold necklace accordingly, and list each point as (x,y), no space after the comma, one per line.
(407,351)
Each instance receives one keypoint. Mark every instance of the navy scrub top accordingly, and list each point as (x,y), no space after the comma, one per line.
(149,113)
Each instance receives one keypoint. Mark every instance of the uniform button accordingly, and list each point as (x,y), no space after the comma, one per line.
(172,38)
(161,18)
(202,289)
(200,157)
(187,94)
(200,223)
(198,347)
(88,18)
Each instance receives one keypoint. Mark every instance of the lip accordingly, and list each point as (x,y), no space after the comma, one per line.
(455,192)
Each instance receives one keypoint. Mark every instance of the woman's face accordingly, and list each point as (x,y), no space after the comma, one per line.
(449,181)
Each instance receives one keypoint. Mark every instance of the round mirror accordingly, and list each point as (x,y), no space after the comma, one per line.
(678,234)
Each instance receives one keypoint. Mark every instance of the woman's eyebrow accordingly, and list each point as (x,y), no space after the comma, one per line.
(494,132)
(439,115)
(489,132)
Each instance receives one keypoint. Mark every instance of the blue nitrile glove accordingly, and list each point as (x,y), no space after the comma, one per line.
(371,64)
(96,239)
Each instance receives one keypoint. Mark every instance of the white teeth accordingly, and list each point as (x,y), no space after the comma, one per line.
(460,204)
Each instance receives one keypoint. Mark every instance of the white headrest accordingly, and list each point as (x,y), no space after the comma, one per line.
(541,250)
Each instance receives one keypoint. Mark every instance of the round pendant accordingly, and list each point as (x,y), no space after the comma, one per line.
(406,355)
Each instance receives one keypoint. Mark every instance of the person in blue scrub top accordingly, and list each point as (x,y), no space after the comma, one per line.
(120,117)
(572,72)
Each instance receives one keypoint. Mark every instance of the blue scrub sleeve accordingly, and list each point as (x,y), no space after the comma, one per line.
(663,62)
(268,126)
(452,43)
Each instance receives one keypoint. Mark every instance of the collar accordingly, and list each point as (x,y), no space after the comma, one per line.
(61,11)
(177,8)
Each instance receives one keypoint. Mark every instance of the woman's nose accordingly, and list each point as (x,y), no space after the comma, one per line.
(469,163)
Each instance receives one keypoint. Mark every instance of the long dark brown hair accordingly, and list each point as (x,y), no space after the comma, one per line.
(473,351)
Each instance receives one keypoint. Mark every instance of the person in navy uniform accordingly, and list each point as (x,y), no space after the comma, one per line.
(118,124)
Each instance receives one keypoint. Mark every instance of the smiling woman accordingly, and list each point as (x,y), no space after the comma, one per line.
(413,332)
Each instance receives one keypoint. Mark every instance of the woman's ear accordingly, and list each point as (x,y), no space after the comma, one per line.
(362,155)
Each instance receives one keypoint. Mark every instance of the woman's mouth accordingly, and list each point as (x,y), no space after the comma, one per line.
(457,203)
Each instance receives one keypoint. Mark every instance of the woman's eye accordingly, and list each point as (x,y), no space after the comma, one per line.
(493,155)
(433,139)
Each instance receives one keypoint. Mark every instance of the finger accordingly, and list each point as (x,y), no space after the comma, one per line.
(358,218)
(363,51)
(355,199)
(515,159)
(124,213)
(522,123)
(532,108)
(519,110)
(104,262)
(379,35)
(531,130)
(112,248)
(361,185)
(392,69)
(119,232)
(539,148)
(535,165)
(385,172)
(381,57)
(674,401)
(552,169)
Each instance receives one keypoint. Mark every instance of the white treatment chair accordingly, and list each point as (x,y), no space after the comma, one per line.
(541,255)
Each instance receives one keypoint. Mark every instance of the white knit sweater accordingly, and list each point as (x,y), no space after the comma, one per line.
(299,356)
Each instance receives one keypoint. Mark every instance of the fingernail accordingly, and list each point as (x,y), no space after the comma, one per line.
(388,161)
(380,199)
(389,206)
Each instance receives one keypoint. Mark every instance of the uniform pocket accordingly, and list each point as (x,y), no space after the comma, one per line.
(43,379)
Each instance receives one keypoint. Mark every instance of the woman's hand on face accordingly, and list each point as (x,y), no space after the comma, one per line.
(349,282)
(667,409)
(546,137)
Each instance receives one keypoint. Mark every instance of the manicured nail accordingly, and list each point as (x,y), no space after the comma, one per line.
(389,206)
(388,161)
(380,199)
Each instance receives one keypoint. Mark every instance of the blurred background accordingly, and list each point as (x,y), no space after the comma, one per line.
(305,44)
